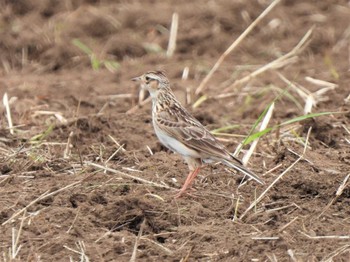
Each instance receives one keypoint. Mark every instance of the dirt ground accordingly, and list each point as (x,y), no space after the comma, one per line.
(66,67)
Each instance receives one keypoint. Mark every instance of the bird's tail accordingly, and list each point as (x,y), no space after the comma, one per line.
(244,170)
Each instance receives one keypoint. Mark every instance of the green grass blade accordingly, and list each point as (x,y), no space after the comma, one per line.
(304,117)
(111,65)
(200,101)
(40,137)
(82,46)
(254,136)
(223,129)
(251,137)
(95,63)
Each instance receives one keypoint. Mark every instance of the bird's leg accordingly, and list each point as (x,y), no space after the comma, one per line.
(191,176)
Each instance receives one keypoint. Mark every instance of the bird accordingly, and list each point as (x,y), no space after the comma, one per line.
(178,130)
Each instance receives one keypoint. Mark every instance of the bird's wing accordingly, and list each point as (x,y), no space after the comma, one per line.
(178,123)
(189,131)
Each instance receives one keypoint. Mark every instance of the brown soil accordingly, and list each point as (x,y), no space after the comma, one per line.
(103,216)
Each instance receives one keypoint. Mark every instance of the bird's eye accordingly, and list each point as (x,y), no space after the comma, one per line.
(147,78)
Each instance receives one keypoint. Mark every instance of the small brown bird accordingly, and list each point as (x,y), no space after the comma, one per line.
(179,131)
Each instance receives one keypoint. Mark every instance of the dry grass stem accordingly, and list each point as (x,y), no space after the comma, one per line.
(24,60)
(82,252)
(131,169)
(116,142)
(155,196)
(324,237)
(103,108)
(292,256)
(6,103)
(109,232)
(134,252)
(15,248)
(342,186)
(346,129)
(127,175)
(58,115)
(6,65)
(288,224)
(202,85)
(278,178)
(114,153)
(340,190)
(271,257)
(263,126)
(161,247)
(310,98)
(113,97)
(265,238)
(282,61)
(186,258)
(305,94)
(149,150)
(135,108)
(142,95)
(347,99)
(75,219)
(173,35)
(281,208)
(343,42)
(199,101)
(338,251)
(272,169)
(295,153)
(67,151)
(235,217)
(185,73)
(320,82)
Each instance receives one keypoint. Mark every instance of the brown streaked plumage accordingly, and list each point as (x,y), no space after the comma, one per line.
(179,131)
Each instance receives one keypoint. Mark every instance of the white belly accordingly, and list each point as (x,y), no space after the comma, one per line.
(174,144)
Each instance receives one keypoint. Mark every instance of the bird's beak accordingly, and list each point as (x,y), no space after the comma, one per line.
(136,78)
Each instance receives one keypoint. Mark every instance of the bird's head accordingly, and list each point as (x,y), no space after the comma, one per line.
(153,81)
